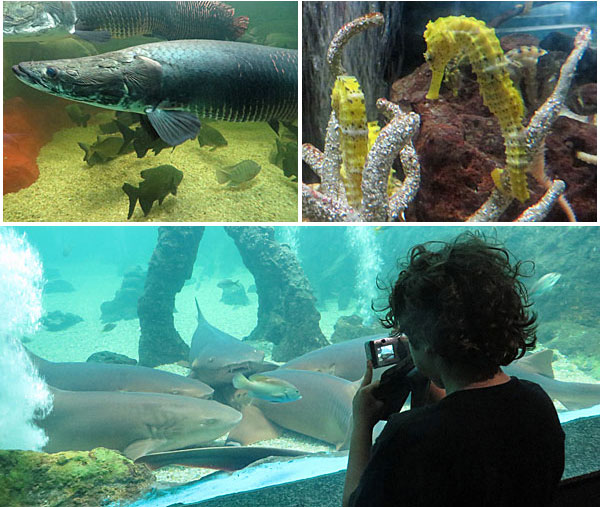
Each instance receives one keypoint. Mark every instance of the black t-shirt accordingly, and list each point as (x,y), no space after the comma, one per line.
(494,446)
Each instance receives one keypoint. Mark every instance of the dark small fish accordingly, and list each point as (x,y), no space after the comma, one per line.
(143,138)
(78,117)
(109,127)
(239,173)
(105,148)
(285,156)
(210,136)
(158,183)
(109,327)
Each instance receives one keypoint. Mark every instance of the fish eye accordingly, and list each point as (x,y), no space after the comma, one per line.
(51,72)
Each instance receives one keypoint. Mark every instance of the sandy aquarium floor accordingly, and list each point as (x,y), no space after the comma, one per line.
(68,190)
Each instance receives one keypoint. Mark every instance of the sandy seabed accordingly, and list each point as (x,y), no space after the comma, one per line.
(68,190)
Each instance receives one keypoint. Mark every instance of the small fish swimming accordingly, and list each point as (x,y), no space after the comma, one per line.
(78,117)
(158,183)
(210,136)
(267,388)
(105,148)
(285,156)
(109,327)
(99,21)
(544,284)
(239,173)
(143,138)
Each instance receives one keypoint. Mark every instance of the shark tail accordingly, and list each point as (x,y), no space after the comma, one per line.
(132,193)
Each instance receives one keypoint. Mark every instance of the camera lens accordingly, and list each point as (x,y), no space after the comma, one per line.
(383,340)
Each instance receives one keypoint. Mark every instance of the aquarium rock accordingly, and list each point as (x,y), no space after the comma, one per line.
(124,305)
(287,315)
(59,321)
(54,286)
(70,478)
(352,326)
(106,356)
(171,265)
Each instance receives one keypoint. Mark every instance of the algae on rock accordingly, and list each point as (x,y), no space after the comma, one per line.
(70,478)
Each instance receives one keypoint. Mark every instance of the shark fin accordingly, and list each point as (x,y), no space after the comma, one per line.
(254,427)
(173,127)
(142,447)
(539,362)
(200,316)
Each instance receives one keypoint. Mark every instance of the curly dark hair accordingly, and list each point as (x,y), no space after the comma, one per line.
(464,300)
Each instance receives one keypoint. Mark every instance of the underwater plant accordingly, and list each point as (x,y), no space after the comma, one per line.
(355,173)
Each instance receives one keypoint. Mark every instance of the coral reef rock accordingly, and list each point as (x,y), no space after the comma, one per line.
(96,477)
(171,265)
(350,327)
(124,304)
(59,321)
(54,286)
(287,315)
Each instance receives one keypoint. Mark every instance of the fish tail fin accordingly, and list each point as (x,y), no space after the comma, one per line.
(240,25)
(222,175)
(239,381)
(132,193)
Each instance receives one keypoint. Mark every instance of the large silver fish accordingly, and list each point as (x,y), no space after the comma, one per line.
(168,81)
(98,21)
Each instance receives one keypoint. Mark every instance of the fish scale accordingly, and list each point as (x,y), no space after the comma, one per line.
(227,80)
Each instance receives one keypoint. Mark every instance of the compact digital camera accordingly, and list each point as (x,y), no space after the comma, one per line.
(384,351)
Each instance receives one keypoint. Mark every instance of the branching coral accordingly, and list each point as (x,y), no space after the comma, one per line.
(355,174)
(355,188)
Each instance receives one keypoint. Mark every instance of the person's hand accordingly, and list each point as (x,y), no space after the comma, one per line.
(366,409)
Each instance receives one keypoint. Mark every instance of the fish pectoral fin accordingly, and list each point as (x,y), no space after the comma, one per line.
(173,127)
(142,447)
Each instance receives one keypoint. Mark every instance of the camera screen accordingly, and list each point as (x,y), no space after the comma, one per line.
(385,353)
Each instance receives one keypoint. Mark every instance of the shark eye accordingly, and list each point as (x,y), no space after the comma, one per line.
(51,72)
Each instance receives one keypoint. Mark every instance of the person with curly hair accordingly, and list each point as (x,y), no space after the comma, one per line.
(492,440)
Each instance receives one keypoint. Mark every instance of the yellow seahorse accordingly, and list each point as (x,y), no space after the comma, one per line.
(348,102)
(449,37)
